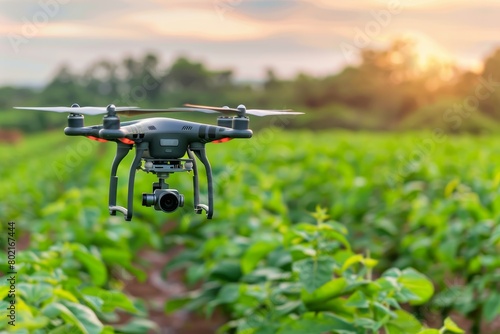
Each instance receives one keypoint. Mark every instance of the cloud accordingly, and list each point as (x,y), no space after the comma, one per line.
(290,35)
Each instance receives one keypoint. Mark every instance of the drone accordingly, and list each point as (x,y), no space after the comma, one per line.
(160,147)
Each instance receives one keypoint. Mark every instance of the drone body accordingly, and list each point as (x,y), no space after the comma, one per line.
(161,144)
(168,138)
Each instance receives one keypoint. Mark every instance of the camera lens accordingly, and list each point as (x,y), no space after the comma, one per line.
(148,199)
(169,202)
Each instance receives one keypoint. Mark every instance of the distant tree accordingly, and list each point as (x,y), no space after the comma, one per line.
(101,79)
(271,82)
(64,88)
(490,83)
(492,66)
(222,79)
(387,90)
(185,74)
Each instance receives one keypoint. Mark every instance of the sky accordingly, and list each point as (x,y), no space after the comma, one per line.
(314,36)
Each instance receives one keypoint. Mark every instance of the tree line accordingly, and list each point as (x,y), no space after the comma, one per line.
(388,89)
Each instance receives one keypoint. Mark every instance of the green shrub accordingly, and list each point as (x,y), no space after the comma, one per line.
(302,278)
(65,289)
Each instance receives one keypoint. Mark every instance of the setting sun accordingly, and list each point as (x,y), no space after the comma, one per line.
(428,53)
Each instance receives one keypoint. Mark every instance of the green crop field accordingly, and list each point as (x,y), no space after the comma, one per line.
(328,232)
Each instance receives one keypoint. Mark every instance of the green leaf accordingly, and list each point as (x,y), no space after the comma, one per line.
(352,260)
(331,289)
(35,294)
(182,260)
(228,293)
(65,329)
(255,253)
(320,214)
(195,273)
(227,270)
(334,235)
(429,331)
(266,274)
(370,263)
(450,187)
(96,268)
(405,323)
(138,326)
(366,323)
(111,299)
(287,308)
(26,322)
(108,330)
(95,303)
(418,284)
(383,310)
(336,306)
(491,307)
(313,273)
(63,294)
(116,256)
(176,304)
(358,300)
(4,291)
(310,323)
(452,326)
(75,314)
(447,297)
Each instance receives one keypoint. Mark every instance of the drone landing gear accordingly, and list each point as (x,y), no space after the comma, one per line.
(162,198)
(121,151)
(199,150)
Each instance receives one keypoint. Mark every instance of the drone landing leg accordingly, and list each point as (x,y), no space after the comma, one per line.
(199,150)
(196,186)
(113,208)
(139,150)
(121,151)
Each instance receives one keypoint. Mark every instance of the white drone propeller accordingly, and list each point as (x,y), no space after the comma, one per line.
(243,110)
(134,111)
(75,109)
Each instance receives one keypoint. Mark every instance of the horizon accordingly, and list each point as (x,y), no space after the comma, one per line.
(289,36)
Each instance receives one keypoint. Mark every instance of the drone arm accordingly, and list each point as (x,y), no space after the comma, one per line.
(199,150)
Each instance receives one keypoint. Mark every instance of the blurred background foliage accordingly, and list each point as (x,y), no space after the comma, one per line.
(388,89)
(395,201)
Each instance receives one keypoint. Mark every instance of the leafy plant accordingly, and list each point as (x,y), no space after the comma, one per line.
(302,278)
(66,289)
(405,208)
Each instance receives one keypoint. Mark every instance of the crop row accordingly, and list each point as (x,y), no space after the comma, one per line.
(406,200)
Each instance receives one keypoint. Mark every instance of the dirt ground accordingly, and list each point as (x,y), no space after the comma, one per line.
(156,291)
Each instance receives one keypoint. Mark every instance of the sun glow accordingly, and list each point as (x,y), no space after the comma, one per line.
(429,55)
